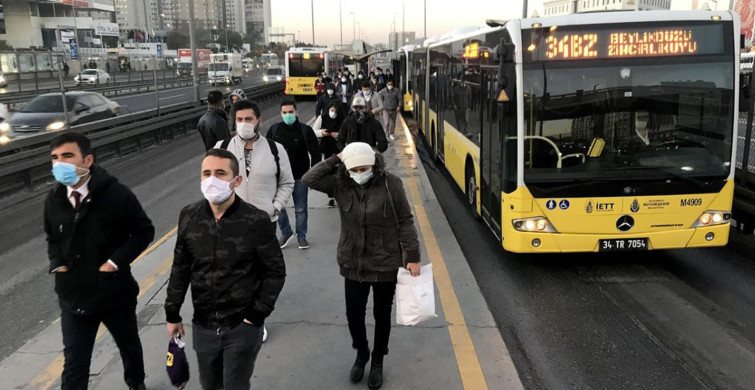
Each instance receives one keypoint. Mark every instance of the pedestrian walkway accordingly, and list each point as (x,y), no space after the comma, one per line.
(309,345)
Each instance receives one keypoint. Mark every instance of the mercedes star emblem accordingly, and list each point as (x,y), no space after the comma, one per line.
(625,223)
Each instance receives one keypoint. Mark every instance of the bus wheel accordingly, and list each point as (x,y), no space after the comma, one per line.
(471,191)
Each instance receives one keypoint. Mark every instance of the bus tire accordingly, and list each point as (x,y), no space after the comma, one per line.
(471,190)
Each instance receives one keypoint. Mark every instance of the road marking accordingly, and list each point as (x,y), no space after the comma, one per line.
(171,97)
(470,370)
(52,372)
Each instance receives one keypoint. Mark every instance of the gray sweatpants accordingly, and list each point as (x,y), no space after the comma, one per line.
(389,121)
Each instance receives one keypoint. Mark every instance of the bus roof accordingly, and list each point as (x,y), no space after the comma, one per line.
(307,50)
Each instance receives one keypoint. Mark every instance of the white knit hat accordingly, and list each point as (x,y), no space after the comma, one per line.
(357,154)
(358,101)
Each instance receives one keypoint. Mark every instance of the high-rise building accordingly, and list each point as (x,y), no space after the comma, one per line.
(258,20)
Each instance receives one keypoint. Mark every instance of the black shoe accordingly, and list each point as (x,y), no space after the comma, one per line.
(357,370)
(375,380)
(138,387)
(331,203)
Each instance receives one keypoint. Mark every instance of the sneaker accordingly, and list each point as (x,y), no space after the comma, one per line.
(392,137)
(285,239)
(331,203)
(303,243)
(264,333)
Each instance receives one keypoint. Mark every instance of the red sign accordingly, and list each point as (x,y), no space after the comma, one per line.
(77,3)
(746,11)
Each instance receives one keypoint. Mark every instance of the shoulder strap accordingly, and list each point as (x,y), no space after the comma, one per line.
(225,143)
(395,217)
(303,130)
(274,150)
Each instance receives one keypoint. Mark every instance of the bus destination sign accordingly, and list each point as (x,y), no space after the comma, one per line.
(624,43)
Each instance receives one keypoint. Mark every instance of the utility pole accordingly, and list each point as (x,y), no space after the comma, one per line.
(146,21)
(193,48)
(403,21)
(76,39)
(524,9)
(340,20)
(312,4)
(425,36)
(353,26)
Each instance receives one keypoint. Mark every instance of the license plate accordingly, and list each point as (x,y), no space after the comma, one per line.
(623,244)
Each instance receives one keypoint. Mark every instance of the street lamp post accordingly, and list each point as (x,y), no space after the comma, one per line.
(226,38)
(312,4)
(340,20)
(353,26)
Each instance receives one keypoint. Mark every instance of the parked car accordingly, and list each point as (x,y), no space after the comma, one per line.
(45,113)
(92,76)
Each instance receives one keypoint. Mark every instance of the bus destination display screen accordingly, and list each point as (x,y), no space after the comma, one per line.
(557,44)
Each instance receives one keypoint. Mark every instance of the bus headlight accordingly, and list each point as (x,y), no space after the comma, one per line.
(280,78)
(55,126)
(535,224)
(264,78)
(712,218)
(5,127)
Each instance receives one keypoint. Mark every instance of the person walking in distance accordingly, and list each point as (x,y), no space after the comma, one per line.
(326,128)
(236,95)
(377,237)
(324,100)
(267,181)
(300,143)
(361,126)
(391,99)
(95,228)
(371,99)
(227,252)
(345,89)
(212,125)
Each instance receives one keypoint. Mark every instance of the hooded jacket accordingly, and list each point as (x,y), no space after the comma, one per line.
(373,244)
(109,225)
(213,127)
(370,132)
(231,111)
(234,266)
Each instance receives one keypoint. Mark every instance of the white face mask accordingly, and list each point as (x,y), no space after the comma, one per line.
(367,92)
(330,91)
(640,124)
(216,191)
(390,87)
(361,178)
(343,79)
(360,76)
(246,131)
(332,114)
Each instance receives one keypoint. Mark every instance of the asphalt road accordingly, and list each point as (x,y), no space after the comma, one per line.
(165,178)
(682,319)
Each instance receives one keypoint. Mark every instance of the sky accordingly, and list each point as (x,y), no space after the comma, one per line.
(376,18)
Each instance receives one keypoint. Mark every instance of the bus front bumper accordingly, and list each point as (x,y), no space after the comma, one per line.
(525,242)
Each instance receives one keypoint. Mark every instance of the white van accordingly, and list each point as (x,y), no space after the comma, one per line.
(225,68)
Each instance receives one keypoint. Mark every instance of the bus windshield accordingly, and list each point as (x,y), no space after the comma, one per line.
(300,67)
(634,120)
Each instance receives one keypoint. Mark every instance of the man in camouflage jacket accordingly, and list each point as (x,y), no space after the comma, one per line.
(229,254)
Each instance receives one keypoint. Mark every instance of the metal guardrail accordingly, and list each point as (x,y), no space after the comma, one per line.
(25,163)
(111,89)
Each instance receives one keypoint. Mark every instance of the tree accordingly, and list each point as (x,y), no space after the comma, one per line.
(4,45)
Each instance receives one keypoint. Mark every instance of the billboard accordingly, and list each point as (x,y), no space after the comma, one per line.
(745,9)
(106,29)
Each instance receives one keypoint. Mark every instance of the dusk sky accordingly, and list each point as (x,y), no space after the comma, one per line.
(376,17)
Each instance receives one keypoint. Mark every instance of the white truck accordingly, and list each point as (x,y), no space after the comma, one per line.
(225,68)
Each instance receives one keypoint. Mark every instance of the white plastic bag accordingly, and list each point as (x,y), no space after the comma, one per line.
(415,296)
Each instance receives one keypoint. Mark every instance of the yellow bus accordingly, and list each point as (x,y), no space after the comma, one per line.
(304,65)
(588,132)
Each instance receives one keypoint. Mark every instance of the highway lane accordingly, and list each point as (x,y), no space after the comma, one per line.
(164,178)
(681,319)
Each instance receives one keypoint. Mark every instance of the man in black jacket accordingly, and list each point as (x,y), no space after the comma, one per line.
(323,101)
(361,126)
(227,251)
(213,125)
(95,228)
(303,151)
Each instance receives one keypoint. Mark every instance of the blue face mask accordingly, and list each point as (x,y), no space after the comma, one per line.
(65,173)
(289,119)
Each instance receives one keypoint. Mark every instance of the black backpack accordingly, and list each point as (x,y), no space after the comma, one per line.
(273,149)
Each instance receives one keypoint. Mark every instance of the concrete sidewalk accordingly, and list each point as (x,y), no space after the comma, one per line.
(309,345)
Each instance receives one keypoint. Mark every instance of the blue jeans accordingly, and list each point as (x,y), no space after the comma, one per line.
(301,192)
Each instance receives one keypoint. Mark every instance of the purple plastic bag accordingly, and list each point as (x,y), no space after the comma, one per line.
(176,363)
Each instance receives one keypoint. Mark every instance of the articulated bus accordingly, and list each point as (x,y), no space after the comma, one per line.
(305,64)
(589,132)
(402,63)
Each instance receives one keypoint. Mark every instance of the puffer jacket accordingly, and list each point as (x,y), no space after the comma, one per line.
(373,245)
(213,127)
(370,132)
(234,265)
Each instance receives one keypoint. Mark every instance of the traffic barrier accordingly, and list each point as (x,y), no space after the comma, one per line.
(25,163)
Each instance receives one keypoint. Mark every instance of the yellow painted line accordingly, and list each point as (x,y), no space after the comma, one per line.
(464,349)
(52,372)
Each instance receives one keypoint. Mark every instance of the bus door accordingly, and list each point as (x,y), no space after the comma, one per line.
(491,151)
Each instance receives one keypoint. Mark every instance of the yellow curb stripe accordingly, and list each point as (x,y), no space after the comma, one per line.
(470,370)
(52,372)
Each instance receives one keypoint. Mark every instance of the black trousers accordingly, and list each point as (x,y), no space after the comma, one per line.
(79,332)
(357,294)
(226,356)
